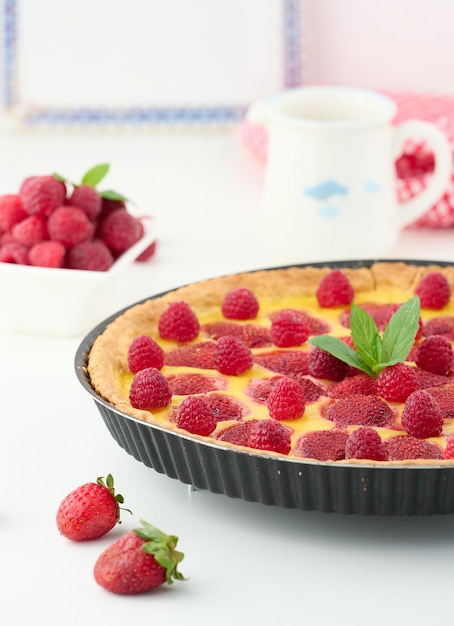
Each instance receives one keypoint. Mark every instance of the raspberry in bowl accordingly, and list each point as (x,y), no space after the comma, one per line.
(63,249)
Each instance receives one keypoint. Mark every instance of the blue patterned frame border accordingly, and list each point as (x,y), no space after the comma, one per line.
(145,116)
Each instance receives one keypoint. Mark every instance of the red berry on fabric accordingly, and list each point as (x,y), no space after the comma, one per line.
(195,416)
(435,355)
(47,254)
(150,389)
(91,255)
(323,445)
(179,322)
(120,230)
(42,194)
(87,199)
(231,356)
(70,226)
(397,382)
(365,443)
(31,230)
(289,328)
(434,291)
(421,416)
(11,212)
(322,364)
(144,352)
(359,410)
(335,289)
(286,400)
(270,434)
(240,304)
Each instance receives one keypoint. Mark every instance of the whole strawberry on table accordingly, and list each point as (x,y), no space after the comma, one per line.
(90,511)
(140,560)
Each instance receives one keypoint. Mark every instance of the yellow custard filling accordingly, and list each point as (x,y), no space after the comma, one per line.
(110,374)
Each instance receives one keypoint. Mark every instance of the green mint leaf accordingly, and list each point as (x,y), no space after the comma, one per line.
(95,175)
(62,178)
(341,351)
(400,332)
(366,336)
(113,195)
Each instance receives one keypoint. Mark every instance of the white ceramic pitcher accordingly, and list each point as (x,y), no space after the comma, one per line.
(330,182)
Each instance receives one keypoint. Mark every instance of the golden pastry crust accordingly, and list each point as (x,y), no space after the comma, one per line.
(107,360)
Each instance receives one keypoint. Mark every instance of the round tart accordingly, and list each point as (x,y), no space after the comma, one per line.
(236,362)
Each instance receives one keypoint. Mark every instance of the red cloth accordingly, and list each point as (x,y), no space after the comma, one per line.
(415,166)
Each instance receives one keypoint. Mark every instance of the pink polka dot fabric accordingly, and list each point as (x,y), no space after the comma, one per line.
(414,168)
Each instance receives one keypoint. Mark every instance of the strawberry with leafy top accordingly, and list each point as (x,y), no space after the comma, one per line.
(90,511)
(141,560)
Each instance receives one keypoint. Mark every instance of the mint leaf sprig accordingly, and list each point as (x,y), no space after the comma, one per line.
(92,178)
(375,352)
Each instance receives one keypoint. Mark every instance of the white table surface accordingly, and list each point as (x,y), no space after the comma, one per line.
(242,559)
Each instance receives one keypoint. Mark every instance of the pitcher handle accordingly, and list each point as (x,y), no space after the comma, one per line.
(412,209)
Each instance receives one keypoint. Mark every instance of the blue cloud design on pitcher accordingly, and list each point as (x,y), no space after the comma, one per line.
(328,189)
(330,212)
(325,190)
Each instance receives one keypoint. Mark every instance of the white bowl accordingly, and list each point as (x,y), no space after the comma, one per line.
(63,302)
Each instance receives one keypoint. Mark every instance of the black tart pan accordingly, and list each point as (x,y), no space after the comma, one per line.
(363,488)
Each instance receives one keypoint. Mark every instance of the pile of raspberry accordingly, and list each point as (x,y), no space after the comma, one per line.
(356,406)
(50,223)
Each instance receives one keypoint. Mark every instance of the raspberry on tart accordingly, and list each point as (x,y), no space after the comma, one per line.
(231,356)
(150,389)
(179,322)
(195,415)
(396,382)
(286,400)
(434,291)
(269,434)
(321,364)
(422,416)
(435,355)
(144,352)
(240,304)
(335,289)
(266,388)
(289,328)
(365,443)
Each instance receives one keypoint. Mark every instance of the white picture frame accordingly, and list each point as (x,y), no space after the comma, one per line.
(224,53)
